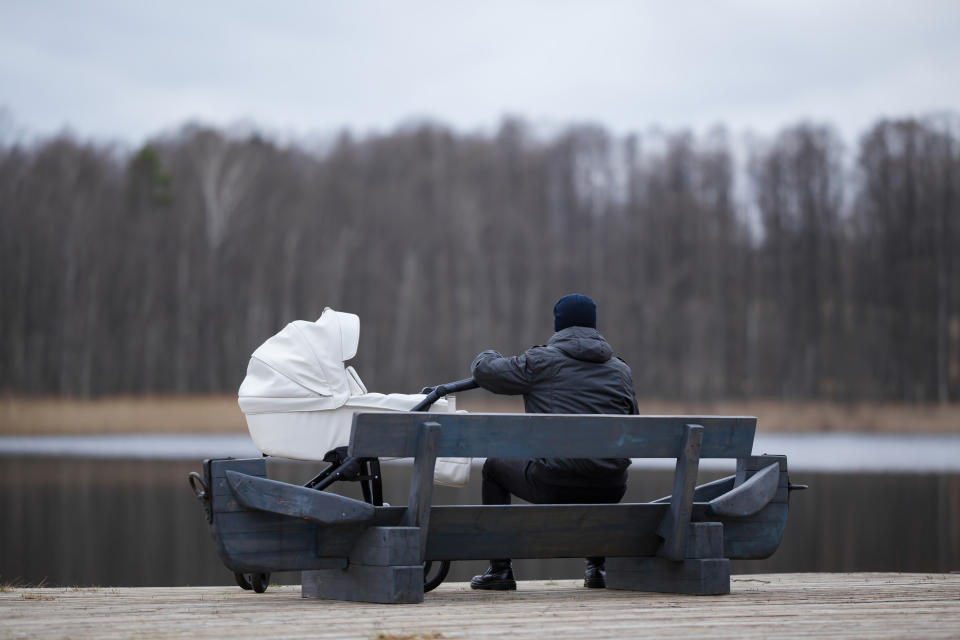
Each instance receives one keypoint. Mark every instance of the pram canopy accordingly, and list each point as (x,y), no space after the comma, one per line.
(301,368)
(299,397)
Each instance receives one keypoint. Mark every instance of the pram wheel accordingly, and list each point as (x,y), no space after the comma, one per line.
(242,581)
(257,582)
(429,584)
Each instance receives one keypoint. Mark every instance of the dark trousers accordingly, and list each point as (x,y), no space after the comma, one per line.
(503,477)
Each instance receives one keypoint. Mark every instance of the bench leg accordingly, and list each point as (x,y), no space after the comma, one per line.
(362,583)
(702,571)
(383,567)
(695,576)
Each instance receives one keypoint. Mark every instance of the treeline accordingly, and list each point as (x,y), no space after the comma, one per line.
(809,270)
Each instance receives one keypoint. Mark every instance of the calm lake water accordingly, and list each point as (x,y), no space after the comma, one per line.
(805,451)
(116,510)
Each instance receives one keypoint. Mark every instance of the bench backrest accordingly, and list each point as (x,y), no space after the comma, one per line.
(478,435)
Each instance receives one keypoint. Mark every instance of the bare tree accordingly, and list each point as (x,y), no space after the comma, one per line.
(161,270)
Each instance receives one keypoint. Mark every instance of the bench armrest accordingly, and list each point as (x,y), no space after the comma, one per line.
(676,523)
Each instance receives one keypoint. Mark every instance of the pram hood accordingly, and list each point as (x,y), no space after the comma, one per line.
(299,399)
(301,368)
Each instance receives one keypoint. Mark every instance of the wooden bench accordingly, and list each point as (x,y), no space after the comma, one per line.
(351,550)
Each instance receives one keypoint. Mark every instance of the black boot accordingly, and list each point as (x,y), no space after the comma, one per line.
(595,577)
(498,577)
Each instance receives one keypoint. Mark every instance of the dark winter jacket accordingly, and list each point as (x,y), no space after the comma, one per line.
(574,373)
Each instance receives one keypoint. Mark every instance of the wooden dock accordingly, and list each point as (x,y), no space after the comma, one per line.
(852,605)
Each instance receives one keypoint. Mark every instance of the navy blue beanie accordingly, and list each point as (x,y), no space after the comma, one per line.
(574,310)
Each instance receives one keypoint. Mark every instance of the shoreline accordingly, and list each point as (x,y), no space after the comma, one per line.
(219,414)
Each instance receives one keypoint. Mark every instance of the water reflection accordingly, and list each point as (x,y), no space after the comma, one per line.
(112,521)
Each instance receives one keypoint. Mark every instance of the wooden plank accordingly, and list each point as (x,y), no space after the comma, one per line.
(295,501)
(250,540)
(676,522)
(221,496)
(421,484)
(543,531)
(757,536)
(386,546)
(461,532)
(360,583)
(249,466)
(533,435)
(338,542)
(261,541)
(749,497)
(706,576)
(709,491)
(705,540)
(752,538)
(749,465)
(254,540)
(257,541)
(846,606)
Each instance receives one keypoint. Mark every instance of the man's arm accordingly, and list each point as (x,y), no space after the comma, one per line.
(634,408)
(510,376)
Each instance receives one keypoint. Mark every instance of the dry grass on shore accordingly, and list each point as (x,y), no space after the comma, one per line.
(220,414)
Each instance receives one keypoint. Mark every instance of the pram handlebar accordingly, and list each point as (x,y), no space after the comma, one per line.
(437,392)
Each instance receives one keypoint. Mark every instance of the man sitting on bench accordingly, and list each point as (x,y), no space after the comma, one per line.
(575,372)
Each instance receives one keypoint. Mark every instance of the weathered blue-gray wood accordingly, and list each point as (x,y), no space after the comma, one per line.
(386,546)
(756,536)
(259,541)
(297,502)
(680,544)
(707,492)
(543,531)
(256,541)
(339,541)
(421,484)
(704,576)
(561,436)
(558,531)
(749,497)
(360,583)
(563,531)
(676,522)
(704,540)
(479,533)
(747,466)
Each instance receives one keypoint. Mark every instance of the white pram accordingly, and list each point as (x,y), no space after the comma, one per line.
(299,398)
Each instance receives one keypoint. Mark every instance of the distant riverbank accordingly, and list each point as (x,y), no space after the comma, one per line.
(204,414)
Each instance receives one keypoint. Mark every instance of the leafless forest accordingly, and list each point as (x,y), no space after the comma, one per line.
(810,270)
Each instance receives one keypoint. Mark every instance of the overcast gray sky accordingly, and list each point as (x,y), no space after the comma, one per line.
(124,70)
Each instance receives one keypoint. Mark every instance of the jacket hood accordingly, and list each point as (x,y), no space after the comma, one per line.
(582,343)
